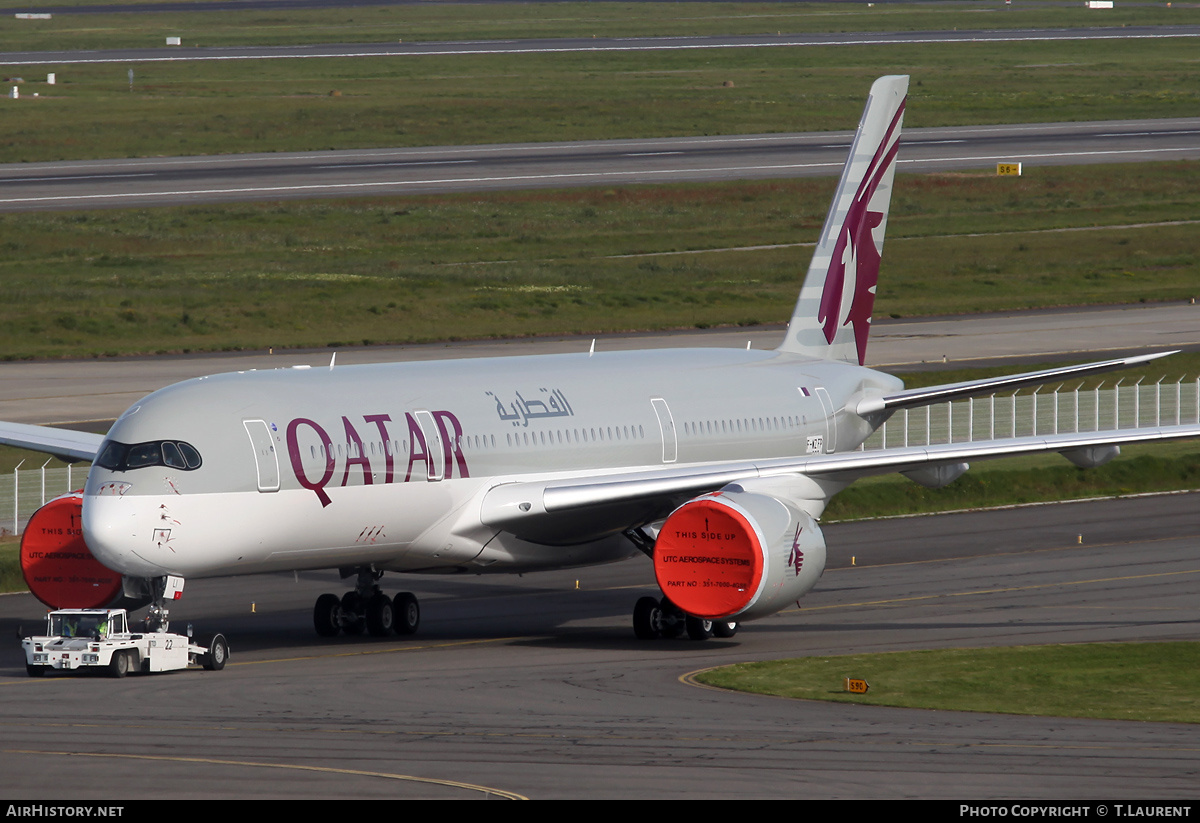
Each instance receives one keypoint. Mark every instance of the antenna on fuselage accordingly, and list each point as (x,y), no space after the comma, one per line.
(332,360)
(592,348)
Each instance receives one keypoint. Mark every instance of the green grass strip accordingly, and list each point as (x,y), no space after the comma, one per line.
(421,269)
(349,103)
(1115,681)
(1017,481)
(11,579)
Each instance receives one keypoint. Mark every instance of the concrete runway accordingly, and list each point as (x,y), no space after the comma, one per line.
(590,44)
(536,687)
(441,169)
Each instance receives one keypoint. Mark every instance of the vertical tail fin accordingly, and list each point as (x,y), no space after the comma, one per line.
(832,319)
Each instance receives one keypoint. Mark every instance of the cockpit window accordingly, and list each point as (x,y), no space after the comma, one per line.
(172,456)
(143,454)
(189,454)
(125,457)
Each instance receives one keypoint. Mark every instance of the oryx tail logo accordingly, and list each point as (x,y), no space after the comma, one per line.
(796,558)
(849,294)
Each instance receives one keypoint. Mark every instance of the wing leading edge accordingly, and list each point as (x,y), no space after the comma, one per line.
(514,507)
(66,444)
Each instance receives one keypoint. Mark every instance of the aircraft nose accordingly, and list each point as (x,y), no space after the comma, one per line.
(114,527)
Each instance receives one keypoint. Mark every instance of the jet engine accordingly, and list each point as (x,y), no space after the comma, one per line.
(737,554)
(59,567)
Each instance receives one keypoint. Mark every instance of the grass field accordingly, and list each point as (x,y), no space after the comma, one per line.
(1116,681)
(1016,481)
(341,272)
(10,566)
(291,105)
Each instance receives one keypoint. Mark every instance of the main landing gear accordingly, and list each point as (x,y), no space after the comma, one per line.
(366,608)
(653,618)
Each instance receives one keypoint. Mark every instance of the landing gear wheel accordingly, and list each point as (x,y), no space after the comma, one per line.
(724,628)
(699,628)
(672,618)
(647,619)
(380,616)
(407,613)
(218,653)
(353,619)
(118,666)
(327,615)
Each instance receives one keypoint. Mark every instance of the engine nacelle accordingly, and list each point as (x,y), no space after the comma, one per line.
(737,554)
(58,566)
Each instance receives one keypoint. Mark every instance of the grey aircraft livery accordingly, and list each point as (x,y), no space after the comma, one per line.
(715,463)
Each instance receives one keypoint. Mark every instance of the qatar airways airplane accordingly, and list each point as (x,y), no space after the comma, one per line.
(715,463)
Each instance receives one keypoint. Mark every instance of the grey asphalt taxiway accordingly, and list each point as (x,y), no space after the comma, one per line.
(322,51)
(535,687)
(441,169)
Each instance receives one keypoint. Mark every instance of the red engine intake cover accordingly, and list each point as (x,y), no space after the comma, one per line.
(57,564)
(708,559)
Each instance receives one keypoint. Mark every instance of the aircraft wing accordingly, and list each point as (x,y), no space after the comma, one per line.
(990,385)
(516,507)
(62,443)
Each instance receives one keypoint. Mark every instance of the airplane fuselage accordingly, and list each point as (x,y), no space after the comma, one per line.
(386,465)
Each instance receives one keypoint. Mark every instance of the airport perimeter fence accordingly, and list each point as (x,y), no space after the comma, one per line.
(25,490)
(978,419)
